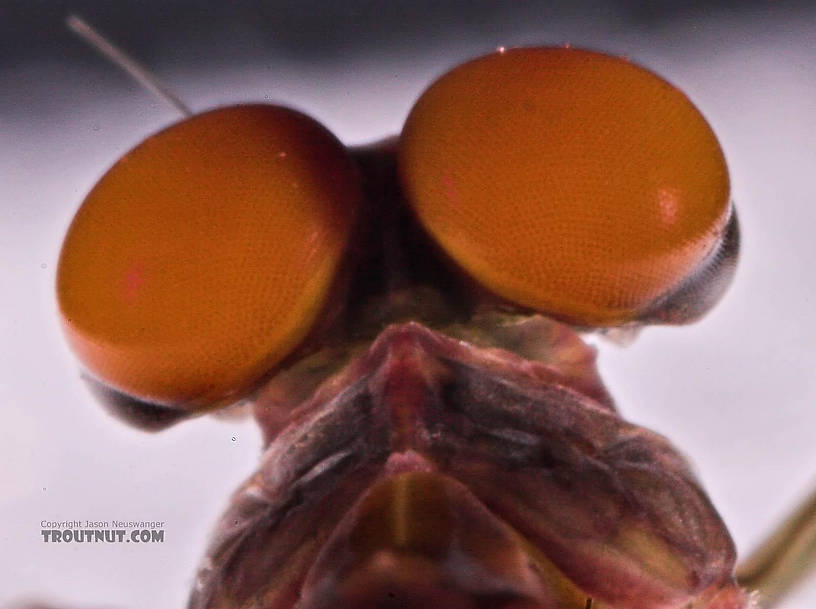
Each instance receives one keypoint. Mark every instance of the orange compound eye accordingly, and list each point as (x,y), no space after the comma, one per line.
(565,180)
(204,256)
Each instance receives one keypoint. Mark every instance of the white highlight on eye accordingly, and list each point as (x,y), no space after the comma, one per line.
(667,199)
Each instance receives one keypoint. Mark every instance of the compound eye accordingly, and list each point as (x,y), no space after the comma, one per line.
(567,181)
(204,256)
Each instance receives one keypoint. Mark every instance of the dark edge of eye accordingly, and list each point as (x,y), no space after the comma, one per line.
(144,416)
(703,288)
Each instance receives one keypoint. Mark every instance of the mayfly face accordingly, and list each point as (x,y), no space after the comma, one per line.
(403,318)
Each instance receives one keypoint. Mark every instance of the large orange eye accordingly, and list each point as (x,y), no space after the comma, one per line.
(565,180)
(203,257)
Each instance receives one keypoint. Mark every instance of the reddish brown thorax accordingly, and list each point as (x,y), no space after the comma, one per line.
(437,472)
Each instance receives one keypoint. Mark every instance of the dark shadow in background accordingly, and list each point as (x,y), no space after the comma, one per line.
(314,30)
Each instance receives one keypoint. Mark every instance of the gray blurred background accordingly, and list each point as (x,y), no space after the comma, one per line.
(736,392)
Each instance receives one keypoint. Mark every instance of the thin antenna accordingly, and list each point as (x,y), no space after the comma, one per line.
(139,72)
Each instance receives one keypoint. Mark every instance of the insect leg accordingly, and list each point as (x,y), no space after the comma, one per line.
(784,559)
